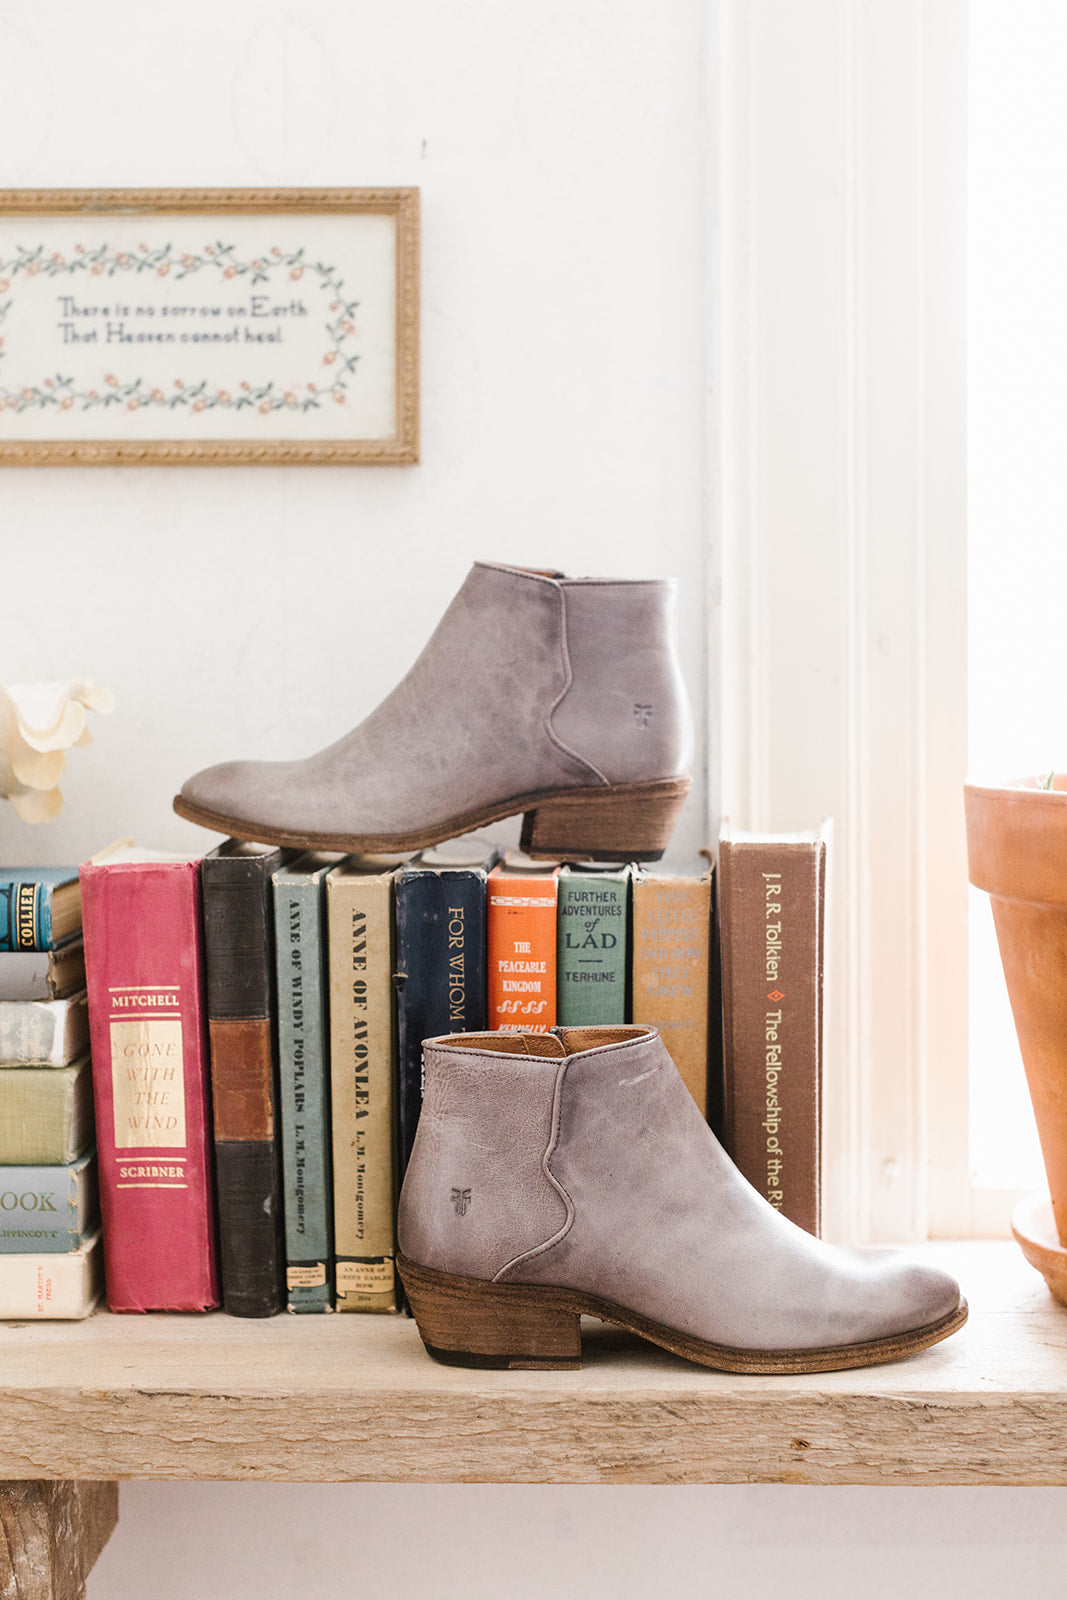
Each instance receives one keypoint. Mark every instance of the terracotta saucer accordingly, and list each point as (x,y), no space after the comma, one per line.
(1033,1226)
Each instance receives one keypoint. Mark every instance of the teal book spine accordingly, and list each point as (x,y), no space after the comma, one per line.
(48,1210)
(304,1060)
(592,946)
(26,905)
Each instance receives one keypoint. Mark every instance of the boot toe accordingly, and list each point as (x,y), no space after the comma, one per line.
(893,1296)
(231,789)
(927,1295)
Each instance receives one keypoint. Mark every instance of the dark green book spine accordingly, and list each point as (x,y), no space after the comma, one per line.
(591,952)
(239,965)
(304,1100)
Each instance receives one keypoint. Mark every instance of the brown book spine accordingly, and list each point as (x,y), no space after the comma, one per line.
(771,894)
(671,942)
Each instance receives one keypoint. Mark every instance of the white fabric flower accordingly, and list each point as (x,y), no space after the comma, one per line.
(38,721)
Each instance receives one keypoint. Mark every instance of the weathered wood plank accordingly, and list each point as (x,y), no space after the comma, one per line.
(356,1398)
(645,1437)
(51,1535)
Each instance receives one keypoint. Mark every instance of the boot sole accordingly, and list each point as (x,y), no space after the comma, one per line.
(616,822)
(466,1322)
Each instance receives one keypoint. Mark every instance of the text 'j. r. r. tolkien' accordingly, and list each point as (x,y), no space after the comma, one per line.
(772,1024)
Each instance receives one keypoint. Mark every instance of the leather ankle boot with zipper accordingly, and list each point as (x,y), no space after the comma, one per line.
(557,697)
(569,1173)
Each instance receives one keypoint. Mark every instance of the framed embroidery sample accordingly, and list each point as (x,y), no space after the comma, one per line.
(183,325)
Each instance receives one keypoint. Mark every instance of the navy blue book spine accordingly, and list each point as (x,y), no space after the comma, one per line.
(440,972)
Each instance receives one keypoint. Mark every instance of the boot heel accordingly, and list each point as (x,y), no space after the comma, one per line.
(628,822)
(467,1323)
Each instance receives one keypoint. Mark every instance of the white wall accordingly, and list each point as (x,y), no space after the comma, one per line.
(560,150)
(737,1542)
(261,612)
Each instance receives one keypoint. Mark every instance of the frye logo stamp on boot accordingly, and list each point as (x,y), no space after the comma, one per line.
(461,1199)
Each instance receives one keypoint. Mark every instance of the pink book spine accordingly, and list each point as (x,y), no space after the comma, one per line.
(144,972)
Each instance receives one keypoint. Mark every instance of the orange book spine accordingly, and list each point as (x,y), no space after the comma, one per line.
(521,933)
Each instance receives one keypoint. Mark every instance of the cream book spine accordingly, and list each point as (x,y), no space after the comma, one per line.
(43,1033)
(359,904)
(58,1287)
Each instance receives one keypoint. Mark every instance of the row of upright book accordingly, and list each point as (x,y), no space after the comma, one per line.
(257,1019)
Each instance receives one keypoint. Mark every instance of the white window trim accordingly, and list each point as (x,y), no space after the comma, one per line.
(839,533)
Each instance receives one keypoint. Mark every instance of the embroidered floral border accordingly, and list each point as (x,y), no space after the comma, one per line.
(58,392)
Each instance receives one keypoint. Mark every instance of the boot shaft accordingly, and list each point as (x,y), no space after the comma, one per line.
(626,710)
(479,1195)
(590,662)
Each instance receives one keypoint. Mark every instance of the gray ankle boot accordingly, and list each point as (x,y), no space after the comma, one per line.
(557,697)
(568,1173)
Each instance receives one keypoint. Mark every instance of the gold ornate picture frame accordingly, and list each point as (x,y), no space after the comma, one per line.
(243,326)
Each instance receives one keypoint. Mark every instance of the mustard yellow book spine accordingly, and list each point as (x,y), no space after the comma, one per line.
(671,947)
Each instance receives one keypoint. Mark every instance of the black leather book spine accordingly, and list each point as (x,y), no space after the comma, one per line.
(240,967)
(440,972)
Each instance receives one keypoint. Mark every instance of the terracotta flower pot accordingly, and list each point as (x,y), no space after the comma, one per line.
(1017,852)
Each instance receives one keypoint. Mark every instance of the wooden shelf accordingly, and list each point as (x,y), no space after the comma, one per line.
(349,1398)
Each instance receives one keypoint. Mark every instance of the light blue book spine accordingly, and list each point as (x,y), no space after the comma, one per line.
(303,1054)
(48,1210)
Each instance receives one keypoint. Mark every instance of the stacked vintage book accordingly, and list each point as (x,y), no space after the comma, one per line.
(257,1019)
(50,1251)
